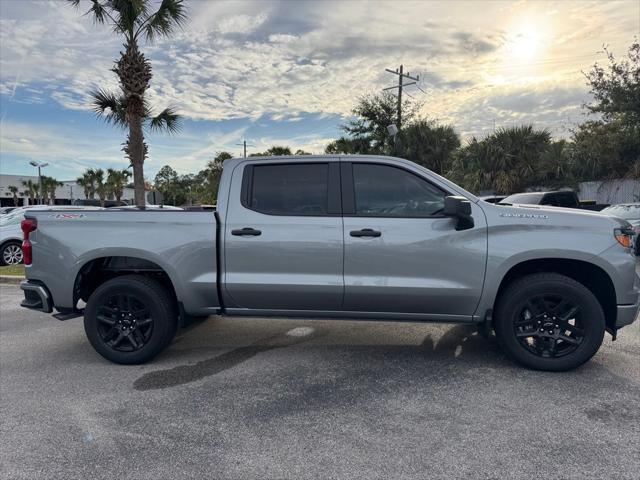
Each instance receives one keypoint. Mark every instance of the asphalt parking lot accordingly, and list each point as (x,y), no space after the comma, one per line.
(267,399)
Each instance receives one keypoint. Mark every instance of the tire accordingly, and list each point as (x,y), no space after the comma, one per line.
(568,336)
(11,253)
(130,319)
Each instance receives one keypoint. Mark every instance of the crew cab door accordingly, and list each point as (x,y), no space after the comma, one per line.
(283,236)
(402,255)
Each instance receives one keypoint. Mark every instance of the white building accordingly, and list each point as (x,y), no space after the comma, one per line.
(65,195)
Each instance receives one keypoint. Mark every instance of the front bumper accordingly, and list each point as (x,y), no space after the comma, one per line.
(36,297)
(626,314)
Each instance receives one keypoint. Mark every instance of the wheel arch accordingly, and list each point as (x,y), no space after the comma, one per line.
(593,277)
(98,270)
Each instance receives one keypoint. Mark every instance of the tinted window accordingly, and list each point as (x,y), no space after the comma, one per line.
(386,191)
(290,189)
(565,199)
(525,198)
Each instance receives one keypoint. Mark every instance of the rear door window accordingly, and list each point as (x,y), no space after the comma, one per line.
(289,189)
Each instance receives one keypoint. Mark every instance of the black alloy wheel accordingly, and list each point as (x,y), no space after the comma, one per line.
(130,319)
(549,326)
(548,321)
(125,324)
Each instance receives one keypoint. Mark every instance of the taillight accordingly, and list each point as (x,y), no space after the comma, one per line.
(27,225)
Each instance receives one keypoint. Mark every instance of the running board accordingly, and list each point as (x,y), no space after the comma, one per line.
(62,316)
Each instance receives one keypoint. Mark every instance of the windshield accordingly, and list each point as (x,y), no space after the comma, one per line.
(628,212)
(528,198)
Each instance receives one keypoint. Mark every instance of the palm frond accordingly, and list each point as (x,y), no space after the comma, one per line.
(167,120)
(110,107)
(129,13)
(170,14)
(99,11)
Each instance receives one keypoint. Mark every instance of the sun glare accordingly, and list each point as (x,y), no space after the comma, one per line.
(525,40)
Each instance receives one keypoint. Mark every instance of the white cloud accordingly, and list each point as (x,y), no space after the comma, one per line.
(280,60)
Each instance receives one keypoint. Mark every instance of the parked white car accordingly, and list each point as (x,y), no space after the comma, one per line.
(11,235)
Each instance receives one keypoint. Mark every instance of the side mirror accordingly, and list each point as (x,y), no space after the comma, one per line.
(460,208)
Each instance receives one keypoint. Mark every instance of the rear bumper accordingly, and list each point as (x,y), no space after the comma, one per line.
(626,314)
(36,297)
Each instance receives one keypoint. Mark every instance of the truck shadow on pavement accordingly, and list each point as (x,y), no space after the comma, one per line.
(461,343)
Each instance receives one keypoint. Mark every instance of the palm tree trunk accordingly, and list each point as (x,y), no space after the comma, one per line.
(136,154)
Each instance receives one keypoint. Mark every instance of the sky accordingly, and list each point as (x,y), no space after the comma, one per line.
(287,72)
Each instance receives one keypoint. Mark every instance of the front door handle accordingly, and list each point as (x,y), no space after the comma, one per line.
(365,232)
(248,231)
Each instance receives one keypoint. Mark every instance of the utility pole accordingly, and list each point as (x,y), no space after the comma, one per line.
(401,76)
(244,145)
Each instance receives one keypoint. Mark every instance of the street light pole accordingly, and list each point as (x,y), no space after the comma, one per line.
(39,165)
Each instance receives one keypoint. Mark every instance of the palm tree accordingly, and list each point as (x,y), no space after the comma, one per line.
(14,191)
(49,186)
(86,182)
(116,181)
(133,20)
(31,191)
(100,185)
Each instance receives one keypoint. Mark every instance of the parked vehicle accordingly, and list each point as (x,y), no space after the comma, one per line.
(5,210)
(561,198)
(93,202)
(493,198)
(338,237)
(11,235)
(629,212)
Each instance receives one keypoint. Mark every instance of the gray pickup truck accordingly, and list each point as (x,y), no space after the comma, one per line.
(358,237)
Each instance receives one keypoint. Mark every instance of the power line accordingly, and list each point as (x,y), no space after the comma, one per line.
(245,145)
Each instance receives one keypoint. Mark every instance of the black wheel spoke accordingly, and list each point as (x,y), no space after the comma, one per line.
(541,325)
(570,314)
(533,333)
(578,332)
(113,332)
(125,323)
(570,340)
(107,320)
(132,340)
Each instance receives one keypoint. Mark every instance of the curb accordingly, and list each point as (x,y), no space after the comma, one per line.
(10,279)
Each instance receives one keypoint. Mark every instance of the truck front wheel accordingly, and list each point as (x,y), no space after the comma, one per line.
(548,321)
(130,319)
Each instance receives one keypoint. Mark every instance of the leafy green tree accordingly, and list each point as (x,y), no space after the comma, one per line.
(166,182)
(273,152)
(429,144)
(49,186)
(101,187)
(135,21)
(348,146)
(14,192)
(31,190)
(609,147)
(372,115)
(116,181)
(506,161)
(616,87)
(301,152)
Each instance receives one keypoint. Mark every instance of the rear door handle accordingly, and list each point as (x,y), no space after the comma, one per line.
(365,232)
(248,231)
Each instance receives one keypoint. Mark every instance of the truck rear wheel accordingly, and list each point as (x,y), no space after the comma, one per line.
(130,319)
(546,321)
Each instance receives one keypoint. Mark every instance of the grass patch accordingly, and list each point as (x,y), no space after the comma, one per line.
(17,270)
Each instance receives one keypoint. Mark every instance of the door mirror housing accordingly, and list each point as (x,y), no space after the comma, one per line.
(460,208)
